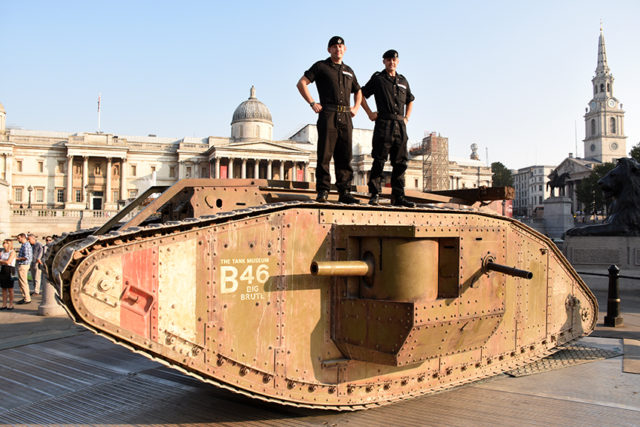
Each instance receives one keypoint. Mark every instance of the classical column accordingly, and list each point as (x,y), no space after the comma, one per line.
(294,171)
(123,179)
(230,169)
(306,171)
(282,170)
(256,168)
(107,197)
(244,168)
(269,163)
(85,180)
(217,171)
(69,179)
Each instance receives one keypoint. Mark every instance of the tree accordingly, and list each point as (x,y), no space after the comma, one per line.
(588,191)
(635,152)
(501,175)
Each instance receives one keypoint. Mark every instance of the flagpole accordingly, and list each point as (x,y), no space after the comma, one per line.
(99,99)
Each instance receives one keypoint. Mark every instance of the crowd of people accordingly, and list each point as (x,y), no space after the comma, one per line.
(26,260)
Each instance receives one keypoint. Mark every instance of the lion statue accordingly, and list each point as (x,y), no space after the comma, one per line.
(622,186)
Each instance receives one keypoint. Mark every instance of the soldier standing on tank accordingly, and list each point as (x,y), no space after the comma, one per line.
(392,93)
(336,82)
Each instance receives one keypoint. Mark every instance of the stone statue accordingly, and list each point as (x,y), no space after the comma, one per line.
(557,181)
(621,186)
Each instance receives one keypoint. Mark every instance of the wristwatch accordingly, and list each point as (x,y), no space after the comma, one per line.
(312,104)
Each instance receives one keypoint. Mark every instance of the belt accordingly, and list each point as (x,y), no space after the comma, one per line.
(390,117)
(338,108)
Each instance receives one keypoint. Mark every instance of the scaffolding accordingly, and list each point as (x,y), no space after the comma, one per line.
(434,150)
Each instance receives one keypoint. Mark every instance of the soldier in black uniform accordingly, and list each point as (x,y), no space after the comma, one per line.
(336,82)
(392,93)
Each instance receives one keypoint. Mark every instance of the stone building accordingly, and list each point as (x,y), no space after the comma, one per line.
(530,184)
(58,181)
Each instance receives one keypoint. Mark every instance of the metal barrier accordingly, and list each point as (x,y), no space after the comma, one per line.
(613,317)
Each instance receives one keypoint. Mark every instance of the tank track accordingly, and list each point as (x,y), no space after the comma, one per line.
(82,243)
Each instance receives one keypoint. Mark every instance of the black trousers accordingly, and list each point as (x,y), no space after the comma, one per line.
(389,139)
(334,140)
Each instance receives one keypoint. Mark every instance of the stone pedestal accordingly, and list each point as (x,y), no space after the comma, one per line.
(557,216)
(602,251)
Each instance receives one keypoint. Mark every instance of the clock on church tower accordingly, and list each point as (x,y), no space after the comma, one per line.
(604,119)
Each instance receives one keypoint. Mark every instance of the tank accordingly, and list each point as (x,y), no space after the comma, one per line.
(254,287)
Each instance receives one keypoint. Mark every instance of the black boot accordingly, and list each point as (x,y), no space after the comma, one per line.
(401,201)
(322,196)
(374,199)
(346,197)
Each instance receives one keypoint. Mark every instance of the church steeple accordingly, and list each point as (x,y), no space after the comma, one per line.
(602,67)
(604,119)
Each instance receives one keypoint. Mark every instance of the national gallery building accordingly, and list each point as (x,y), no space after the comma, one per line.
(51,182)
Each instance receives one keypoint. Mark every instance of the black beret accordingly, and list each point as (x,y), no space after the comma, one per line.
(391,53)
(335,40)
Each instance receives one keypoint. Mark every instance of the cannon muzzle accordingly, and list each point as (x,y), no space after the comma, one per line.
(342,268)
(489,265)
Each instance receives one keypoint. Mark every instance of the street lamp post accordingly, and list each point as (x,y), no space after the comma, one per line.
(29,189)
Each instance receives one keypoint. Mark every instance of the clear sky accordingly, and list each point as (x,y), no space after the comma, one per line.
(513,77)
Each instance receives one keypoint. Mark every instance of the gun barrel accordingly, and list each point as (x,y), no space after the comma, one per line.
(341,268)
(511,271)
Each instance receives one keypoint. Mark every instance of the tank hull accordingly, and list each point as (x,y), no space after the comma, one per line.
(230,299)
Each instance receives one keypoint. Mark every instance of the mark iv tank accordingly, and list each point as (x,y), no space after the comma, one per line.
(254,287)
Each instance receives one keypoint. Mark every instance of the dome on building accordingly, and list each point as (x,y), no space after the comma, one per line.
(252,110)
(2,110)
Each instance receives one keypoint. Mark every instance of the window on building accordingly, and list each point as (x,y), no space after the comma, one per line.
(17,194)
(539,187)
(593,126)
(19,165)
(116,195)
(612,122)
(78,196)
(608,87)
(134,170)
(133,193)
(601,87)
(416,183)
(172,172)
(60,195)
(188,173)
(39,195)
(60,167)
(40,166)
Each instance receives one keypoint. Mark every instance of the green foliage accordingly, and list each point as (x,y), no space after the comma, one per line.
(635,152)
(588,191)
(501,175)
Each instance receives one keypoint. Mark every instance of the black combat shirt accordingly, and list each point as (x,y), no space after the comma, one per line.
(335,82)
(391,93)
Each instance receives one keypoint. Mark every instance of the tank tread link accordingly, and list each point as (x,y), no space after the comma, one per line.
(324,305)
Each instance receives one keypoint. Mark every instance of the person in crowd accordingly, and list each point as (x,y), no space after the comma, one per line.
(36,263)
(7,264)
(23,262)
